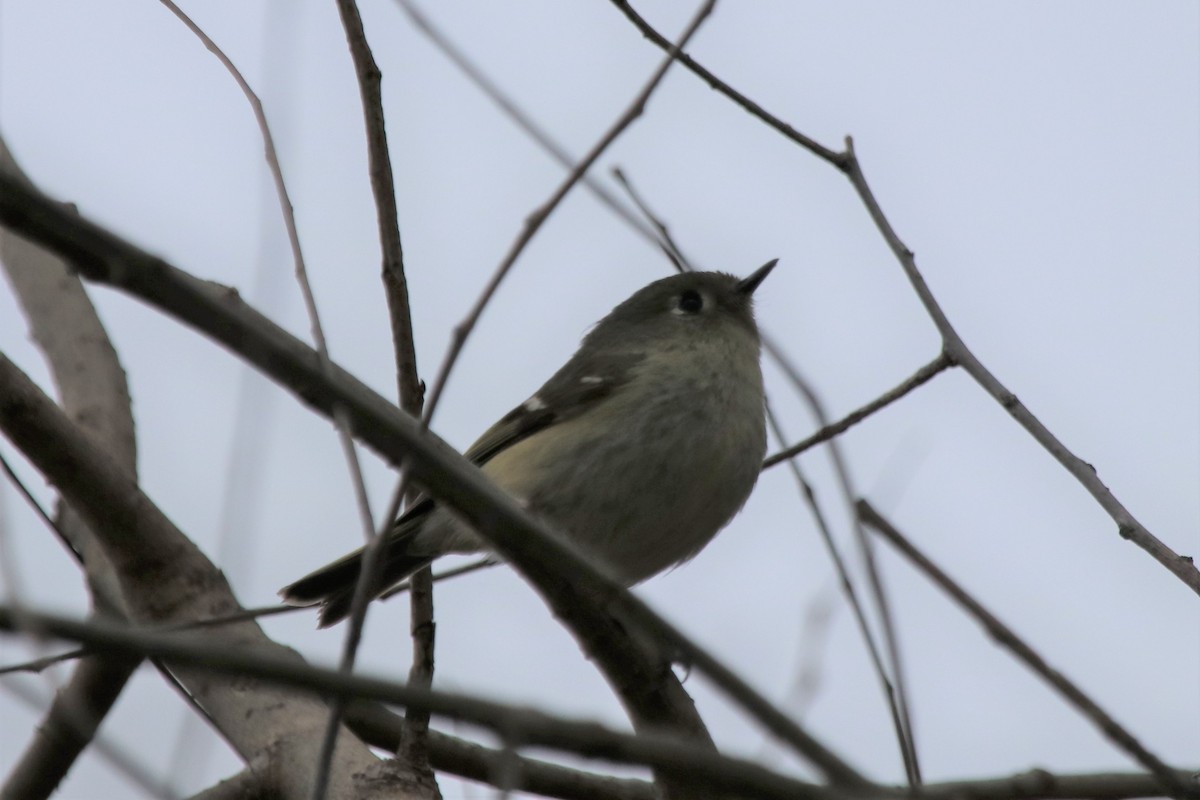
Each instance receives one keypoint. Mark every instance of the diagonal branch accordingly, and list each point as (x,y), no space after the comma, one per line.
(523,120)
(812,145)
(95,394)
(595,607)
(700,767)
(893,685)
(827,432)
(165,578)
(1128,526)
(1115,732)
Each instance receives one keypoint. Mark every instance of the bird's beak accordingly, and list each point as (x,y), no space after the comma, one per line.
(748,284)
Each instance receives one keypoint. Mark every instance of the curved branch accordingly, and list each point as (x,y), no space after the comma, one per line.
(95,395)
(165,578)
(1115,732)
(697,766)
(597,609)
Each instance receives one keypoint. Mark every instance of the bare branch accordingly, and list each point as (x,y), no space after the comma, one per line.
(573,586)
(1042,784)
(165,578)
(1005,636)
(813,146)
(379,727)
(697,765)
(892,683)
(384,190)
(410,389)
(1181,567)
(318,333)
(522,119)
(827,432)
(95,395)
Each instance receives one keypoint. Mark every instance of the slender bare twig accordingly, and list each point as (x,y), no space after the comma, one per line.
(1128,526)
(340,421)
(893,685)
(563,577)
(359,615)
(408,383)
(41,512)
(534,221)
(43,663)
(1042,784)
(522,119)
(700,765)
(383,189)
(40,664)
(918,378)
(815,147)
(1004,635)
(272,157)
(665,241)
(381,728)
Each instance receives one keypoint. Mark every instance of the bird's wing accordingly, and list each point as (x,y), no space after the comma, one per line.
(572,391)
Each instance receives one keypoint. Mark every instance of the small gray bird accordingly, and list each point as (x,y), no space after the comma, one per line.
(639,449)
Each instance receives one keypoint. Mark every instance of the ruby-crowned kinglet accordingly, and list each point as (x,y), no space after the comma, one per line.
(639,449)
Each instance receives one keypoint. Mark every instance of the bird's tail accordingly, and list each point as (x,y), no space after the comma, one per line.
(332,586)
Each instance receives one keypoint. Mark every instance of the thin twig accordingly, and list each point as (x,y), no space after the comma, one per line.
(423,630)
(702,766)
(514,112)
(534,221)
(665,241)
(408,383)
(245,615)
(358,618)
(816,148)
(1039,783)
(45,662)
(41,512)
(383,189)
(339,418)
(918,378)
(1128,526)
(1006,637)
(894,688)
(272,157)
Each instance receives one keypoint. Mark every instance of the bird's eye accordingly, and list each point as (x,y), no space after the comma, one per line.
(690,301)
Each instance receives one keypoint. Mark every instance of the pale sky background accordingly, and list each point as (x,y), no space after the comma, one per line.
(1041,159)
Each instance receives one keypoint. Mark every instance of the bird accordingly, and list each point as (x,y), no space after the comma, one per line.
(639,449)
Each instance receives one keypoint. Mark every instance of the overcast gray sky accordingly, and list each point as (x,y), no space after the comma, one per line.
(1041,159)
